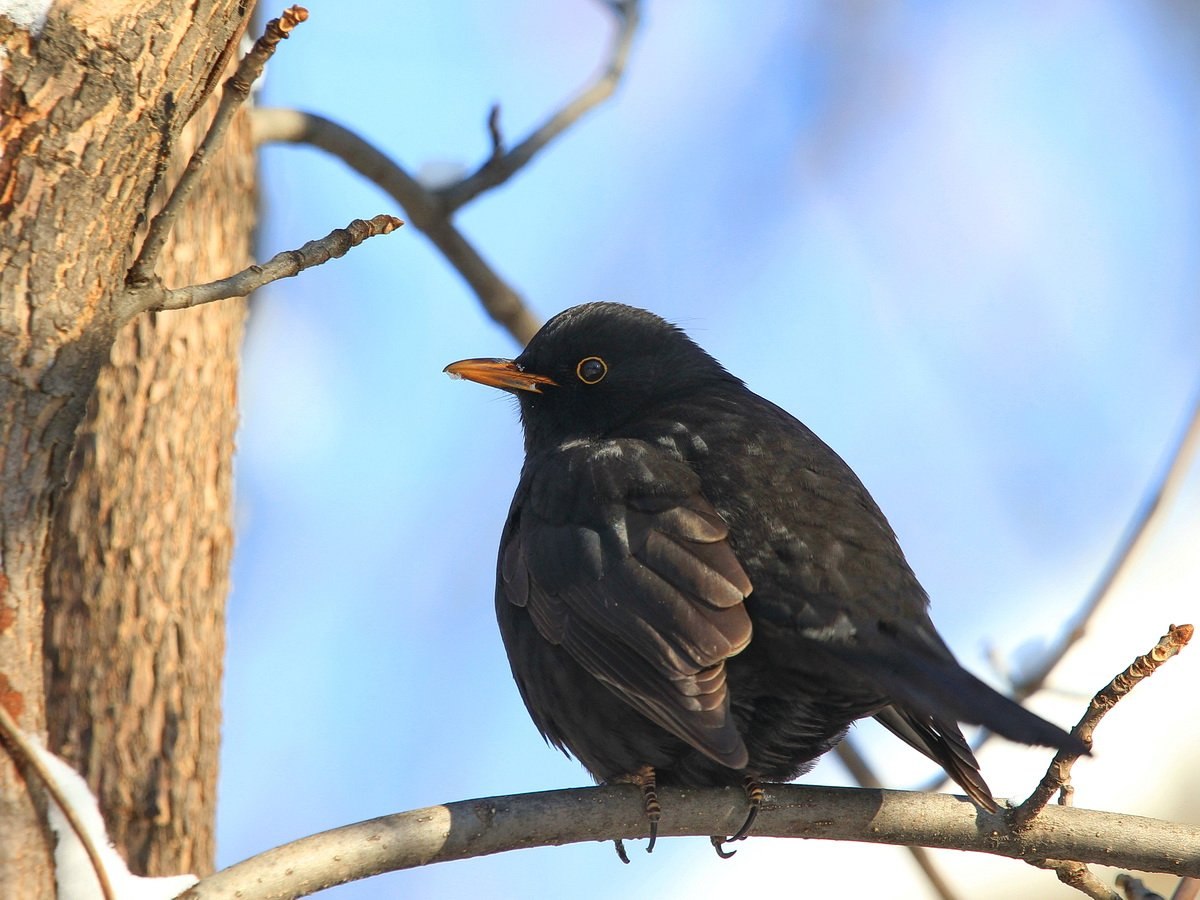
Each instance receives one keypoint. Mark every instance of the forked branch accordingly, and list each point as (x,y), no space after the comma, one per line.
(500,300)
(236,90)
(145,292)
(1059,773)
(502,166)
(431,211)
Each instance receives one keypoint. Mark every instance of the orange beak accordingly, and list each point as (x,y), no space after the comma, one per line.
(499,373)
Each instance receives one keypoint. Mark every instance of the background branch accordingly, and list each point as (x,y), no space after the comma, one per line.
(862,773)
(500,301)
(431,211)
(502,166)
(1157,500)
(1135,890)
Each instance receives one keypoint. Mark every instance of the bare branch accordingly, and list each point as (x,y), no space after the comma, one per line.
(236,90)
(282,265)
(1187,889)
(424,212)
(1078,876)
(21,750)
(1059,772)
(499,168)
(1156,501)
(431,212)
(481,827)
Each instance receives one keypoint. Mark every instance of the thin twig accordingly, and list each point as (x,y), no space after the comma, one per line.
(494,130)
(21,749)
(499,300)
(236,90)
(1077,875)
(862,772)
(1155,503)
(1059,772)
(282,265)
(500,167)
(1187,889)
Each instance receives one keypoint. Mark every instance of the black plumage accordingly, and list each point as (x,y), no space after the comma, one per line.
(694,589)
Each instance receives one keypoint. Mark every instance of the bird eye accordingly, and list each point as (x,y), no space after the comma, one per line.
(591,369)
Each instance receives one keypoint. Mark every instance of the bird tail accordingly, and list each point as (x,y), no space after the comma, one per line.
(942,742)
(930,693)
(936,690)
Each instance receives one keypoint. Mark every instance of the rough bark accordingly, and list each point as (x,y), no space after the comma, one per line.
(90,109)
(141,546)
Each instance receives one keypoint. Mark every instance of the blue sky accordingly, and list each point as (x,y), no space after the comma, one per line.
(960,241)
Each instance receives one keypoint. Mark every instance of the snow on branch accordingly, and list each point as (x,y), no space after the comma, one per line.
(86,865)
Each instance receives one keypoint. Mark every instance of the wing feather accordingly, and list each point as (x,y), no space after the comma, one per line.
(619,559)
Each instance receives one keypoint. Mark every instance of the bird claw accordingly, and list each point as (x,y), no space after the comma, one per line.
(719,843)
(619,846)
(754,796)
(646,781)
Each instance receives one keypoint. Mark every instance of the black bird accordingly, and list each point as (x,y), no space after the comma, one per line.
(693,589)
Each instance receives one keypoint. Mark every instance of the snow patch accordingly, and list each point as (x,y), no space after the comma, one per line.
(27,14)
(72,867)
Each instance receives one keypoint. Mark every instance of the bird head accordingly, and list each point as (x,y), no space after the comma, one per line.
(592,368)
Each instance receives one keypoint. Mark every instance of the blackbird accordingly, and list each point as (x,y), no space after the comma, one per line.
(693,589)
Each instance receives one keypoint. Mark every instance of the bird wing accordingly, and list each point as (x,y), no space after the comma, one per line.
(619,559)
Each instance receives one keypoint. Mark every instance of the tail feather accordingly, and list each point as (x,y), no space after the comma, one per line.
(942,742)
(937,690)
(929,693)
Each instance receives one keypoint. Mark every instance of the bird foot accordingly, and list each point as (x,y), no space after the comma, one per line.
(646,781)
(644,778)
(754,796)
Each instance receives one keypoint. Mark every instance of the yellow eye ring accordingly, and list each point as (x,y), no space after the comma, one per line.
(591,369)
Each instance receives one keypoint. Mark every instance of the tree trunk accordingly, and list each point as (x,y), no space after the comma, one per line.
(141,545)
(91,106)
